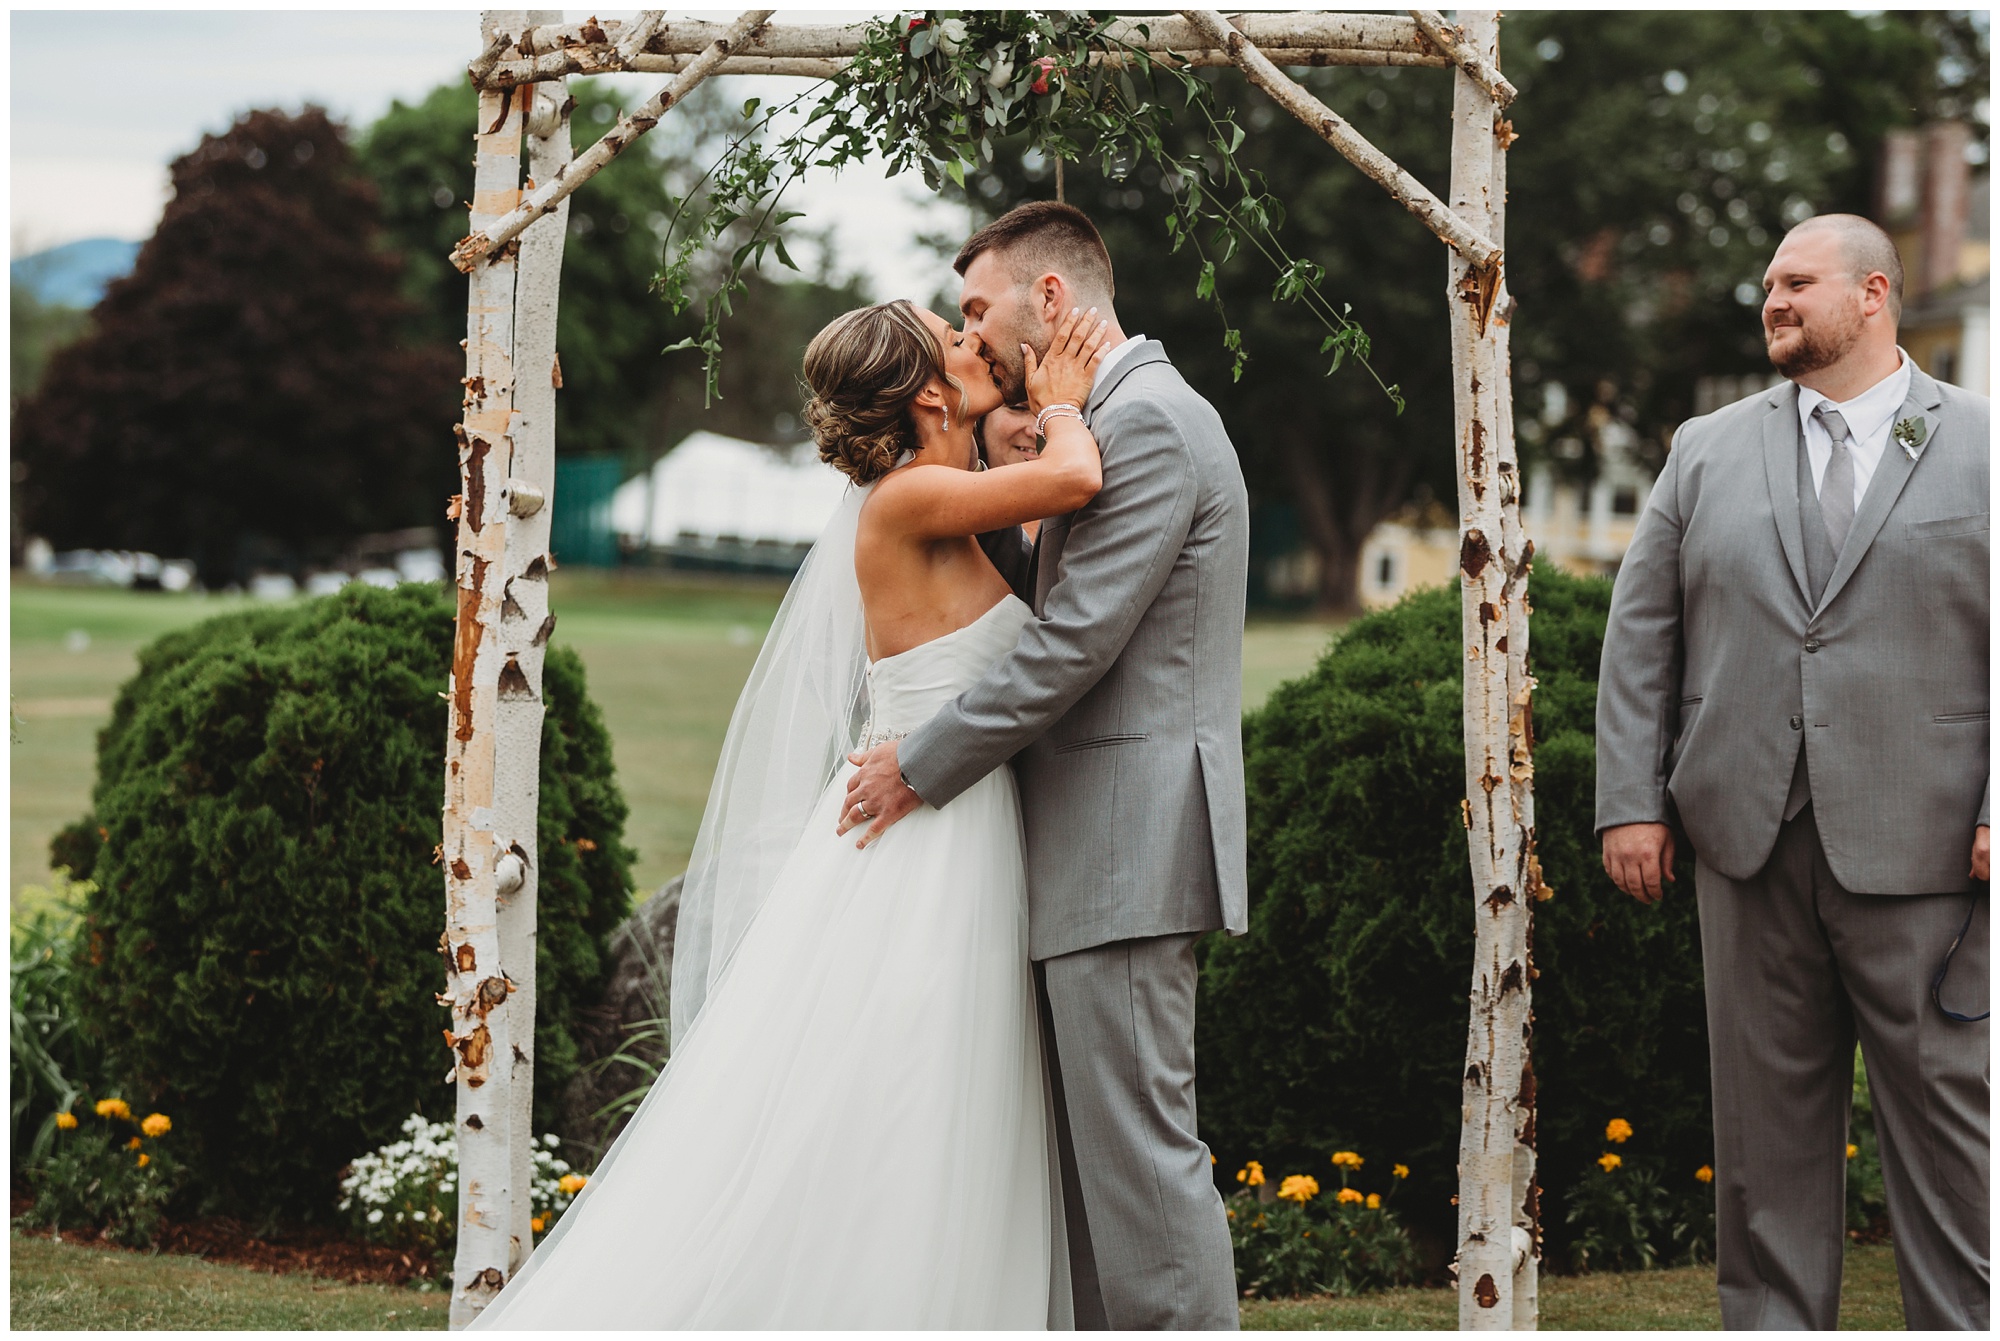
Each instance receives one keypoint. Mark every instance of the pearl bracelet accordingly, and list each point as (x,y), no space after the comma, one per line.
(1051,412)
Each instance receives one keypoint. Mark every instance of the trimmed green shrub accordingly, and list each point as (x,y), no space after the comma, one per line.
(260,956)
(1340,1020)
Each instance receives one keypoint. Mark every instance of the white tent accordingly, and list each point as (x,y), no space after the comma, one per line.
(710,490)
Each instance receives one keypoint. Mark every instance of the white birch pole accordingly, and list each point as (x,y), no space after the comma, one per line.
(478,850)
(525,623)
(1499,1234)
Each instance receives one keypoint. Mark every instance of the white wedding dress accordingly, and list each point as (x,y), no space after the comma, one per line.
(853,1134)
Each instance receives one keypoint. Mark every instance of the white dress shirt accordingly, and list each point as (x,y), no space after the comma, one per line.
(1113,358)
(1869,417)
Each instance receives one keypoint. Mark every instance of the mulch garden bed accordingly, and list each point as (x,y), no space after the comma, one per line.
(301,1250)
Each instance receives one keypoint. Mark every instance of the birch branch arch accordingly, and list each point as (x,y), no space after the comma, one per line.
(512,256)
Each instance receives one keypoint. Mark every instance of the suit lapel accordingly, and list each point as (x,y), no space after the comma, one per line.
(1781,473)
(1897,465)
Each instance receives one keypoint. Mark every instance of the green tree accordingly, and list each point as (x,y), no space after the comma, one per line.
(243,393)
(36,329)
(621,395)
(1659,157)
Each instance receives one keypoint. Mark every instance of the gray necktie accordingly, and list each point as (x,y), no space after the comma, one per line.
(1836,491)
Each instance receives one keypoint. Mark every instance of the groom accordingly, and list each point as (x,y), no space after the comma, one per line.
(1120,708)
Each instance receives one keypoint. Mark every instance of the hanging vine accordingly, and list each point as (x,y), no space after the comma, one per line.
(936,90)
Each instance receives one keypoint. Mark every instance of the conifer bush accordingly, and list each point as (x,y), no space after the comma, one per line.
(1340,1019)
(260,954)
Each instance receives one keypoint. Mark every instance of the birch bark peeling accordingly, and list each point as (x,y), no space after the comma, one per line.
(1463,236)
(521,497)
(482,1033)
(492,240)
(1451,40)
(1498,1208)
(1377,32)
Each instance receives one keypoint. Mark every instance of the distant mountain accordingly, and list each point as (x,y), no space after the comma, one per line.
(74,274)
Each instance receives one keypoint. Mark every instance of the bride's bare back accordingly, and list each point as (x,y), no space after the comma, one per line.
(916,556)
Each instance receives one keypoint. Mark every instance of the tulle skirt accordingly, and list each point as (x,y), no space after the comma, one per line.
(853,1134)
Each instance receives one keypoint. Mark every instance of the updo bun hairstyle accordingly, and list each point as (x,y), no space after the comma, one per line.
(864,372)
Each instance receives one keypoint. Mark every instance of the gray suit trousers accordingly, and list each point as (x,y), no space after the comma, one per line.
(1797,968)
(1148,1235)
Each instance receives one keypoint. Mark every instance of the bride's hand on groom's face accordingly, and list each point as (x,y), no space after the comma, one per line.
(1065,375)
(876,793)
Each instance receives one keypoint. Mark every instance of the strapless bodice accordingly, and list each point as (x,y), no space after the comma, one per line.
(907,689)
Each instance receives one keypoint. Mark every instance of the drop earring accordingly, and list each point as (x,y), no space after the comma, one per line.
(947,417)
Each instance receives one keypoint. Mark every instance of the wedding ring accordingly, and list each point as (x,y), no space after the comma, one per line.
(862,806)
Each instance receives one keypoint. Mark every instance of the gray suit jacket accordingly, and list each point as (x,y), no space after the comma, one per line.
(1718,668)
(1122,704)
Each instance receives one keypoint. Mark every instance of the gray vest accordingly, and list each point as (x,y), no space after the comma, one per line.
(1820,558)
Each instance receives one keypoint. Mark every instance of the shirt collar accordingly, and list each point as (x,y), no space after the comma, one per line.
(1867,413)
(1115,357)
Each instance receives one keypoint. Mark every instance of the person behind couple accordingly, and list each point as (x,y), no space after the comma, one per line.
(1007,438)
(1795,669)
(1120,708)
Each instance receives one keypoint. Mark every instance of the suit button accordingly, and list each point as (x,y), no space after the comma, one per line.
(1798,723)
(1812,644)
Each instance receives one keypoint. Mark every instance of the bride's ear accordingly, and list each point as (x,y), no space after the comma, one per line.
(932,397)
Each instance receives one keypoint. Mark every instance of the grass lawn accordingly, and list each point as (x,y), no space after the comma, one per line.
(666,657)
(1682,1299)
(66,1286)
(69,1287)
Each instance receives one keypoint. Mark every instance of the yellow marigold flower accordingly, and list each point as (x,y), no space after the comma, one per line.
(1400,1171)
(1346,1159)
(1347,1196)
(132,1144)
(1299,1187)
(113,1108)
(1608,1161)
(144,1160)
(1251,1174)
(1618,1131)
(1374,1201)
(1852,1150)
(536,1223)
(1704,1174)
(66,1121)
(572,1183)
(157,1124)
(1232,1215)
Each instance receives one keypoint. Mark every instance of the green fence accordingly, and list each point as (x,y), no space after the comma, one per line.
(580,532)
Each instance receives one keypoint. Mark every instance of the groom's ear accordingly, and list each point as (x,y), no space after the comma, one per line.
(1051,298)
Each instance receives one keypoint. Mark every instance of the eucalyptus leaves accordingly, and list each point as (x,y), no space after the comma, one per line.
(937,90)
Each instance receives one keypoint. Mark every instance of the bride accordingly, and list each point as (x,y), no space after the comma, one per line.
(854,1129)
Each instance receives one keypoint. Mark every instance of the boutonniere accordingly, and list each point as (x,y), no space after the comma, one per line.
(1911,433)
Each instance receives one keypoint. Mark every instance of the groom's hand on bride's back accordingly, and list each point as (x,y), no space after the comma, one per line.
(876,793)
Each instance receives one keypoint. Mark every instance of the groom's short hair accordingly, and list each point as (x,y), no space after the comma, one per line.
(1043,237)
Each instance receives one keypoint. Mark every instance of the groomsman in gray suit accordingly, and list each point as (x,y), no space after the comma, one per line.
(1795,675)
(1121,709)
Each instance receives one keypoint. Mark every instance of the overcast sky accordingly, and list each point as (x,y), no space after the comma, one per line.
(101,101)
